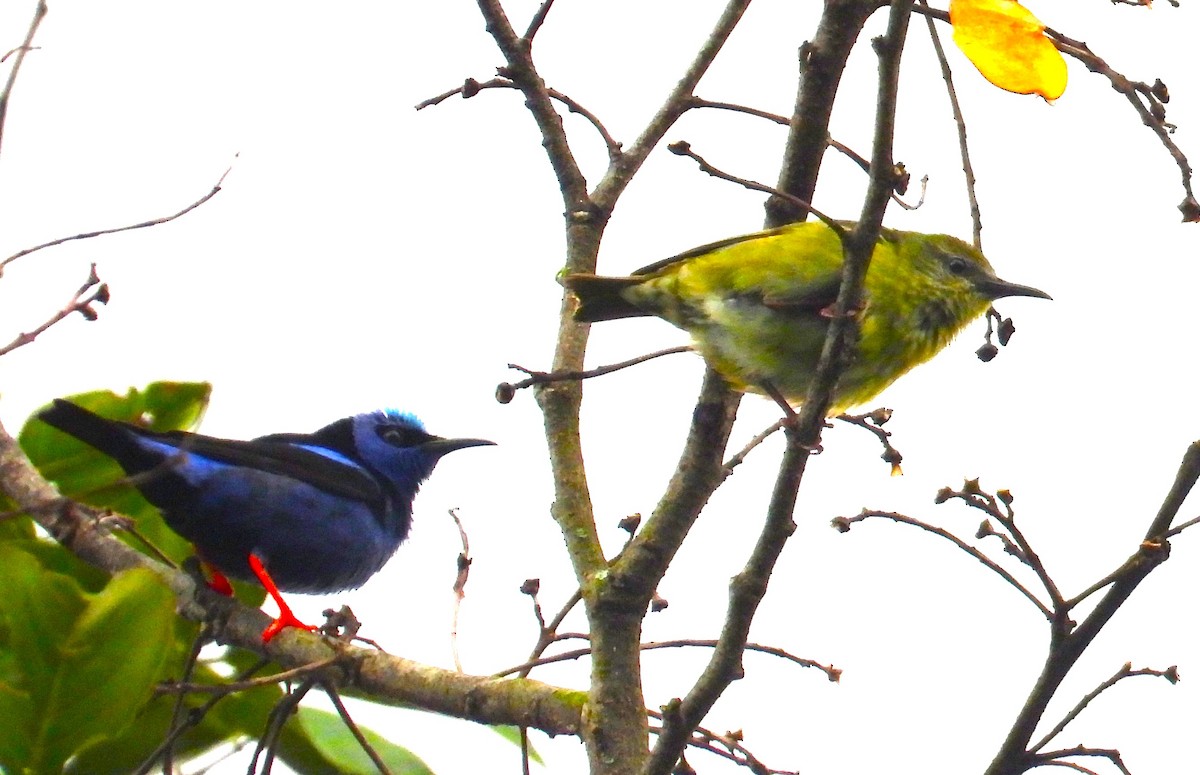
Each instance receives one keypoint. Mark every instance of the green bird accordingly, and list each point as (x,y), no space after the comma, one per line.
(757,305)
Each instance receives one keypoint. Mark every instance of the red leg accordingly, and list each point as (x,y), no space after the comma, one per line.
(217,581)
(286,617)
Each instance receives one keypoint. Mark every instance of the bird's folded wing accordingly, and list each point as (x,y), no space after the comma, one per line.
(807,299)
(704,250)
(277,455)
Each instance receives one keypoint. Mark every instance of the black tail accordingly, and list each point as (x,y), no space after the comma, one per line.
(600,298)
(118,440)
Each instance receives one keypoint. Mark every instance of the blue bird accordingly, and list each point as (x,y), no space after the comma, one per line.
(317,513)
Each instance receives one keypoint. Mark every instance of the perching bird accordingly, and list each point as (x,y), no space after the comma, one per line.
(318,512)
(757,306)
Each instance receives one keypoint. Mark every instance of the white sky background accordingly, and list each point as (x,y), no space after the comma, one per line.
(362,254)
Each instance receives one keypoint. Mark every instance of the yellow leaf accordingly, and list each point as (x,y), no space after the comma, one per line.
(1006,42)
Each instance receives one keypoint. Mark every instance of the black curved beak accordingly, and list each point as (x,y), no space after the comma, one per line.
(443,446)
(995,288)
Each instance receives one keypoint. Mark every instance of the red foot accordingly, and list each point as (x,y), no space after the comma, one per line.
(286,617)
(217,581)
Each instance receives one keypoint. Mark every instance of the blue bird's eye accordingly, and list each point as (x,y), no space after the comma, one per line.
(402,436)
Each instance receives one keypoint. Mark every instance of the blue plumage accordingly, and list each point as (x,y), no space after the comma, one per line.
(322,511)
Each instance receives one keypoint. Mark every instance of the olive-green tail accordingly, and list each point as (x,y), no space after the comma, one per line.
(601,298)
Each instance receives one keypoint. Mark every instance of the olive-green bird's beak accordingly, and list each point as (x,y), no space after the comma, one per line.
(995,288)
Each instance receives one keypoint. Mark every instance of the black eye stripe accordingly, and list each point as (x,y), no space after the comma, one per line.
(402,436)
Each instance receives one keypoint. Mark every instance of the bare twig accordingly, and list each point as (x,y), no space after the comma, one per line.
(182,723)
(283,710)
(737,459)
(1146,102)
(463,565)
(972,495)
(363,743)
(506,390)
(728,746)
(471,87)
(843,525)
(1126,671)
(682,148)
(144,224)
(183,687)
(91,292)
(1057,759)
(872,422)
(535,24)
(961,125)
(6,95)
(832,673)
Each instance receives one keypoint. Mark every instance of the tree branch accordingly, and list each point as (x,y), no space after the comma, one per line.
(749,586)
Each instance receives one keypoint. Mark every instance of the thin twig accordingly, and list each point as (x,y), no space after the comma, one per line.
(91,292)
(535,24)
(193,719)
(872,422)
(144,224)
(1019,546)
(730,747)
(1126,671)
(269,742)
(363,743)
(832,673)
(1182,526)
(759,438)
(843,524)
(1055,759)
(961,126)
(463,565)
(506,390)
(6,95)
(683,148)
(182,687)
(471,87)
(203,636)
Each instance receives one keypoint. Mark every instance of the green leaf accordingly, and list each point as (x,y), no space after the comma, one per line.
(38,609)
(17,711)
(14,527)
(329,734)
(234,717)
(106,664)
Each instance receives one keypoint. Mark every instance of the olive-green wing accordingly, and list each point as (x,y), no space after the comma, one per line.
(711,247)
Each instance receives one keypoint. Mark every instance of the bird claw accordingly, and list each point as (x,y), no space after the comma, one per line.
(286,619)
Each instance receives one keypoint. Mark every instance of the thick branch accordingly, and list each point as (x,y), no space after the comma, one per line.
(822,62)
(748,587)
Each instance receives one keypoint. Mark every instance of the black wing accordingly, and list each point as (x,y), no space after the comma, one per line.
(279,454)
